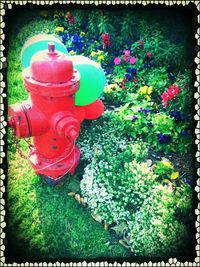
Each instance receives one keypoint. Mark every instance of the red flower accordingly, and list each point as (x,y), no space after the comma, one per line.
(171,92)
(70,18)
(165,104)
(141,44)
(165,96)
(149,55)
(105,40)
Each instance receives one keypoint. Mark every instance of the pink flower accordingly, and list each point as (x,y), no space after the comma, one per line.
(126,58)
(117,60)
(127,52)
(149,55)
(126,55)
(173,90)
(132,60)
(70,18)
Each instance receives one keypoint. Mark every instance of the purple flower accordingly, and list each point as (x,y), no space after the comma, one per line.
(163,138)
(70,48)
(189,182)
(107,71)
(176,115)
(147,66)
(132,71)
(76,38)
(146,111)
(64,38)
(184,132)
(171,77)
(128,70)
(134,118)
(128,76)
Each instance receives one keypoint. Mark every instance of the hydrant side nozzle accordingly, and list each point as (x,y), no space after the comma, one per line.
(66,125)
(18,120)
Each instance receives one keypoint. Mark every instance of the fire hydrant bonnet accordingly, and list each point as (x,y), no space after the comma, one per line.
(51,73)
(49,66)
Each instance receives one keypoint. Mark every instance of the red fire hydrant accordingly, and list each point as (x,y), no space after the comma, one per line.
(50,115)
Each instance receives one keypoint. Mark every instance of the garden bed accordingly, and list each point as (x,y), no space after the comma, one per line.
(132,193)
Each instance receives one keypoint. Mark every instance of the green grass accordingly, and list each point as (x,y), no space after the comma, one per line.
(45,223)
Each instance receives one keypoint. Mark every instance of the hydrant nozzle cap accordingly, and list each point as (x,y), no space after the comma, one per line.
(50,66)
(73,134)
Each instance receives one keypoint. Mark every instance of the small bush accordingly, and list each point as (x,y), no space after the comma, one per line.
(116,187)
(154,230)
(100,139)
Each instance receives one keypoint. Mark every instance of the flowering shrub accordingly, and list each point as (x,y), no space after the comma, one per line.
(101,140)
(115,193)
(154,230)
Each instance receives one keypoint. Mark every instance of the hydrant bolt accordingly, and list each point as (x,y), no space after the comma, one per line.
(51,48)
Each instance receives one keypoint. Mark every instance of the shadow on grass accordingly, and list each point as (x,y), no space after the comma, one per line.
(46,224)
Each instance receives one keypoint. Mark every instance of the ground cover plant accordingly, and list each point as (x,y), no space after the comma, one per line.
(132,193)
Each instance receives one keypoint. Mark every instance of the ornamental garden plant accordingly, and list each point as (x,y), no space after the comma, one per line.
(132,194)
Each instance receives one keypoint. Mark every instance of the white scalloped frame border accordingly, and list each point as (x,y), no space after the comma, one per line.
(171,261)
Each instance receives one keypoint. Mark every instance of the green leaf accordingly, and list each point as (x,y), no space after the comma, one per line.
(120,228)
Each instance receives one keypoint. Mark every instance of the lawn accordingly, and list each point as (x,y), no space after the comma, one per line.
(132,195)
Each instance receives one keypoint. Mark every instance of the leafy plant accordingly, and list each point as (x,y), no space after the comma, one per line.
(154,231)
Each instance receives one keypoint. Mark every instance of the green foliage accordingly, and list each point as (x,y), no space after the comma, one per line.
(139,118)
(154,231)
(164,169)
